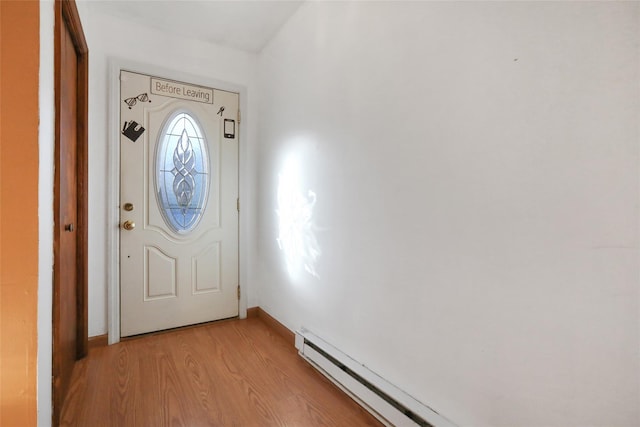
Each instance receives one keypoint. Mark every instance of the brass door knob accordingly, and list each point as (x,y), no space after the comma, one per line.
(129,225)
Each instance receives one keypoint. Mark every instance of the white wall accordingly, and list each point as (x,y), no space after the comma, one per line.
(476,173)
(46,143)
(110,37)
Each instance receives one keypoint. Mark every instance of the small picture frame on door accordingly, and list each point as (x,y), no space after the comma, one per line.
(229,128)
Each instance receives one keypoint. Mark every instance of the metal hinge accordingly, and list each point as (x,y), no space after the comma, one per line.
(239,116)
(238,291)
(238,204)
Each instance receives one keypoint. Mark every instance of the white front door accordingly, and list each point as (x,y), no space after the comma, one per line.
(178,204)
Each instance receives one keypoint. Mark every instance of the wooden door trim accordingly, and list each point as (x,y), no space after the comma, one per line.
(70,13)
(66,13)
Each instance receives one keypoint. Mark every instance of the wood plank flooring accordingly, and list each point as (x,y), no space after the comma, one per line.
(230,373)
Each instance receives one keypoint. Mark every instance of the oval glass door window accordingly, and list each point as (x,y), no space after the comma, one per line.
(182,172)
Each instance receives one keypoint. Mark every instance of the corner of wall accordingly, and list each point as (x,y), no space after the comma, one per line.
(46,143)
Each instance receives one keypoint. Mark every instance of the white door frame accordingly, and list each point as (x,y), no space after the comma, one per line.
(113,181)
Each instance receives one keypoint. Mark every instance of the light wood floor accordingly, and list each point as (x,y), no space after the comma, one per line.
(230,373)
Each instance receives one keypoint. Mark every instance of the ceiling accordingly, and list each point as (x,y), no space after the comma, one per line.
(241,24)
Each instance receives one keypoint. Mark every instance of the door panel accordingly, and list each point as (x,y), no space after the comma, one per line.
(206,270)
(179,263)
(68,207)
(161,275)
(70,339)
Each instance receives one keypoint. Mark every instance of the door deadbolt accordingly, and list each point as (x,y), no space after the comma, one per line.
(129,225)
(69,227)
(128,207)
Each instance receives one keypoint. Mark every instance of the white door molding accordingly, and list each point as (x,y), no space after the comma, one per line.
(113,181)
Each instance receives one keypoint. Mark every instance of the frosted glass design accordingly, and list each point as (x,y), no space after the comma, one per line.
(182,173)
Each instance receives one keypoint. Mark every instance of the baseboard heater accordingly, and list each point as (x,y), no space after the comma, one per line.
(389,404)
